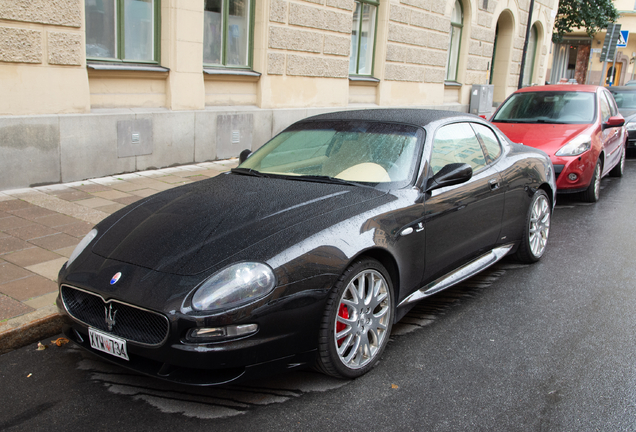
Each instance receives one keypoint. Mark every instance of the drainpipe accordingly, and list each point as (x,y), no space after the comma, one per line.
(525,44)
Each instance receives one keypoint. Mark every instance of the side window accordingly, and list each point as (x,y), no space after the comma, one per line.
(227,33)
(611,102)
(122,30)
(363,37)
(489,140)
(457,143)
(605,108)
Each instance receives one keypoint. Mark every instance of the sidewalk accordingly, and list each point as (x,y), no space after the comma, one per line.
(40,227)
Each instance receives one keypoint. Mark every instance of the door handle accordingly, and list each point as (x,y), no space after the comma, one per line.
(494,184)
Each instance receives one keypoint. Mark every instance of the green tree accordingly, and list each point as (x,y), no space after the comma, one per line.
(592,15)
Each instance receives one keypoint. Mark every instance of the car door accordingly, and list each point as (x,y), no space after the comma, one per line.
(611,136)
(461,221)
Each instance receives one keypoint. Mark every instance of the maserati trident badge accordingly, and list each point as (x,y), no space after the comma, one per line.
(115,278)
(109,316)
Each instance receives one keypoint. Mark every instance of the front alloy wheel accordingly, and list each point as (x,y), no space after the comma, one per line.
(357,321)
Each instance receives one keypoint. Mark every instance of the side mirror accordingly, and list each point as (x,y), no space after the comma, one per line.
(244,155)
(451,174)
(614,121)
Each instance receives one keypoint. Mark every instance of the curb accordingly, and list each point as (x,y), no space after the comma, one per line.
(29,328)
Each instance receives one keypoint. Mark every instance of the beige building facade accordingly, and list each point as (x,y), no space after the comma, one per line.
(98,87)
(579,56)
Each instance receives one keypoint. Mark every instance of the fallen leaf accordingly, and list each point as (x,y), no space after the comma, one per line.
(41,347)
(394,386)
(60,341)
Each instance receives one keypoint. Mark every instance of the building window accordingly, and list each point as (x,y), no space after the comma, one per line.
(122,30)
(457,22)
(227,33)
(531,53)
(363,37)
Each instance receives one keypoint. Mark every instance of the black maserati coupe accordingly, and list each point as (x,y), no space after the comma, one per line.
(309,251)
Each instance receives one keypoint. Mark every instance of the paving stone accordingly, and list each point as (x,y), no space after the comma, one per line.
(48,269)
(94,202)
(27,257)
(145,192)
(56,220)
(127,200)
(93,187)
(13,204)
(74,195)
(10,308)
(55,241)
(11,222)
(170,179)
(32,231)
(127,186)
(29,287)
(32,213)
(12,244)
(43,300)
(66,252)
(110,209)
(4,215)
(10,272)
(111,195)
(78,230)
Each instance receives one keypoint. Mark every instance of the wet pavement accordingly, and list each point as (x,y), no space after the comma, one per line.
(40,227)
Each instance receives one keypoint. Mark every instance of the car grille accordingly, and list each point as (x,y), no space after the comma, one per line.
(130,322)
(557,170)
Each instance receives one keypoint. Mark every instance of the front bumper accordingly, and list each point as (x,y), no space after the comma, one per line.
(287,338)
(580,168)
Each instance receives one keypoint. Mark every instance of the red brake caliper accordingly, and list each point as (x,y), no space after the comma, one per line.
(343,312)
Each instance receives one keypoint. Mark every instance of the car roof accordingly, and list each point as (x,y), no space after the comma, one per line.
(560,87)
(413,116)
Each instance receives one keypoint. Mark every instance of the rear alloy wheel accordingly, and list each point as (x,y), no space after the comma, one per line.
(536,230)
(593,191)
(618,170)
(357,321)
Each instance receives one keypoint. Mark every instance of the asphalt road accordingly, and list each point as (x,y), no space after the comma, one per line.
(546,347)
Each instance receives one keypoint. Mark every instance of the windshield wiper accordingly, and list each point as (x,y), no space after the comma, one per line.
(327,179)
(248,171)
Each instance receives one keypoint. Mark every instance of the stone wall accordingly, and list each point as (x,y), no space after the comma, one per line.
(20,43)
(42,57)
(309,38)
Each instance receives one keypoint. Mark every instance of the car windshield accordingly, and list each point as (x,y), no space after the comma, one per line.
(341,151)
(625,100)
(570,107)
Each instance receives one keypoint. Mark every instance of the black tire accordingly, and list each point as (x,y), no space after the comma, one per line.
(593,191)
(536,229)
(618,170)
(364,326)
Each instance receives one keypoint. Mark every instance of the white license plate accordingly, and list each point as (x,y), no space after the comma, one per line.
(108,344)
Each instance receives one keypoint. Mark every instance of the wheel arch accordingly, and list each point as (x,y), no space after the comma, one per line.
(389,262)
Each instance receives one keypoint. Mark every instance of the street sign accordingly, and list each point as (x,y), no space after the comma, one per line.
(609,45)
(623,38)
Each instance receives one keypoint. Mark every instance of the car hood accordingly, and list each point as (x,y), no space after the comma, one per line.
(628,114)
(190,229)
(544,136)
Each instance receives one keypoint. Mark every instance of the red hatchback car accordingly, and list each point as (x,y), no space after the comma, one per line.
(577,125)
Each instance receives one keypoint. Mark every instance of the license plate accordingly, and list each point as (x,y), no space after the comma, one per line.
(108,344)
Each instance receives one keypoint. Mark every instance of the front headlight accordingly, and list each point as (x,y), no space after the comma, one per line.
(578,145)
(631,126)
(81,246)
(233,286)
